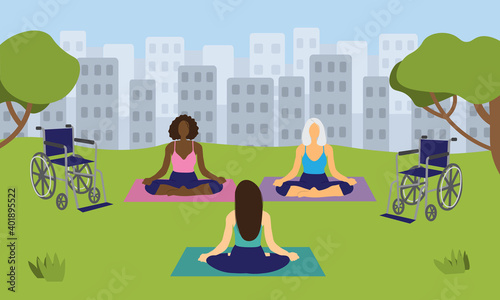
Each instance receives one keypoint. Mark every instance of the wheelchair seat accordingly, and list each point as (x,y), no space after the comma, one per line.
(72,161)
(420,172)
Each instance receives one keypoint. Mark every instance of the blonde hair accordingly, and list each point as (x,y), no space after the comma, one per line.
(306,137)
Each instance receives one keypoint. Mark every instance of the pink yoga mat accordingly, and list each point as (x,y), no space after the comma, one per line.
(138,193)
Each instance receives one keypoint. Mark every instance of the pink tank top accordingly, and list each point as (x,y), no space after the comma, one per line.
(186,165)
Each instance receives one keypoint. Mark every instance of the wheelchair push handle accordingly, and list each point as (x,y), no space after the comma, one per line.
(38,128)
(453,139)
(424,137)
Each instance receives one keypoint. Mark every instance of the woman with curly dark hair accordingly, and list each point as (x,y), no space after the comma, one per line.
(183,154)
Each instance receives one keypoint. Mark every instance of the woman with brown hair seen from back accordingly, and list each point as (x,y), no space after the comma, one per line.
(247,221)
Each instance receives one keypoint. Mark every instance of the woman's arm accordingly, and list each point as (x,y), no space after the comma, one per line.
(164,168)
(226,238)
(268,232)
(198,149)
(333,169)
(296,165)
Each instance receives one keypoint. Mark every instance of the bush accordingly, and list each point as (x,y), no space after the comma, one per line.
(455,265)
(50,270)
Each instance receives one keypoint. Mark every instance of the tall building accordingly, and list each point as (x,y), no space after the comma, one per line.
(393,48)
(96,98)
(376,113)
(250,111)
(142,113)
(267,55)
(54,116)
(8,125)
(198,99)
(425,123)
(291,110)
(222,57)
(477,128)
(331,96)
(126,71)
(164,55)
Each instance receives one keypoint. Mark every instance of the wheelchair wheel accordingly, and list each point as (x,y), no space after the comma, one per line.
(62,201)
(431,212)
(410,194)
(82,183)
(94,198)
(398,209)
(449,188)
(42,175)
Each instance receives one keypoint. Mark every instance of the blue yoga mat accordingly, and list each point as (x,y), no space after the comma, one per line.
(188,265)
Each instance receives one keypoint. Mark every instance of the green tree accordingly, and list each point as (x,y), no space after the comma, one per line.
(34,72)
(443,67)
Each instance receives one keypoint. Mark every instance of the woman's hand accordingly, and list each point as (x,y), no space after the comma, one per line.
(203,257)
(351,181)
(147,181)
(220,180)
(293,256)
(278,182)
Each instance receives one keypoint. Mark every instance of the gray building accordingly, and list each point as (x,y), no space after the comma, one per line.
(54,116)
(331,96)
(250,109)
(142,113)
(477,128)
(425,123)
(7,124)
(376,113)
(198,99)
(291,110)
(97,101)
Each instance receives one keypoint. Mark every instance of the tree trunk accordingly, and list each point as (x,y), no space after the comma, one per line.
(495,131)
(19,127)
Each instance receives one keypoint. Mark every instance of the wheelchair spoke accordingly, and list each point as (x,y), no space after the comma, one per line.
(455,177)
(456,195)
(37,182)
(37,165)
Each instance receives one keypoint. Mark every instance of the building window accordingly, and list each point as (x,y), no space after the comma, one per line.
(300,43)
(330,132)
(382,114)
(209,94)
(235,107)
(385,63)
(300,64)
(149,95)
(429,115)
(164,66)
(430,134)
(149,116)
(177,48)
(197,115)
(164,108)
(298,113)
(109,89)
(317,109)
(317,86)
(369,92)
(250,107)
(235,89)
(84,112)
(382,92)
(369,113)
(317,67)
(164,48)
(97,112)
(176,66)
(312,43)
(369,134)
(418,113)
(284,113)
(399,105)
(46,116)
(342,109)
(97,70)
(135,116)
(84,89)
(381,134)
(330,108)
(298,134)
(264,89)
(136,94)
(109,70)
(298,92)
(258,48)
(209,116)
(331,67)
(235,128)
(418,134)
(258,69)
(399,45)
(385,45)
(250,128)
(97,135)
(264,107)
(79,46)
(442,134)
(210,77)
(343,67)
(152,48)
(84,134)
(109,135)
(109,112)
(487,132)
(197,76)
(152,66)
(411,45)
(473,112)
(135,137)
(264,128)
(66,46)
(284,134)
(149,137)
(343,86)
(197,95)
(473,132)
(330,86)
(85,70)
(164,87)
(97,89)
(185,77)
(275,69)
(250,89)
(210,137)
(275,48)
(284,92)
(6,116)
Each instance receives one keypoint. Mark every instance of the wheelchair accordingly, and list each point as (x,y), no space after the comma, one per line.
(433,161)
(78,175)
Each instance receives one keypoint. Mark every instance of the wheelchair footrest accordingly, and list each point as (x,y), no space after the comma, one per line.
(92,207)
(398,218)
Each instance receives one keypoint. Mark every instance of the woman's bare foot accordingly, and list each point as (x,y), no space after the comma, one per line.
(267,254)
(307,193)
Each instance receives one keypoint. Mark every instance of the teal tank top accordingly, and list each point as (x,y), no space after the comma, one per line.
(240,241)
(314,166)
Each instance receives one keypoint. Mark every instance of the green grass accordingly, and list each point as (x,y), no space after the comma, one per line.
(372,257)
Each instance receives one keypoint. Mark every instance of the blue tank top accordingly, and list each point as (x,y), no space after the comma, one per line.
(240,241)
(314,166)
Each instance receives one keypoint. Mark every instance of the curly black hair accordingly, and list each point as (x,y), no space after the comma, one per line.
(174,127)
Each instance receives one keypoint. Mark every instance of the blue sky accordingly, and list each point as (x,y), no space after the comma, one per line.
(200,23)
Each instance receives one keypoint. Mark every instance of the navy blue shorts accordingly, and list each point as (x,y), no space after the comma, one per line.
(247,260)
(319,181)
(189,180)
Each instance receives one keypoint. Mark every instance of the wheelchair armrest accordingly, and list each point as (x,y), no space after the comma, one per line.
(90,142)
(57,145)
(436,156)
(400,153)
